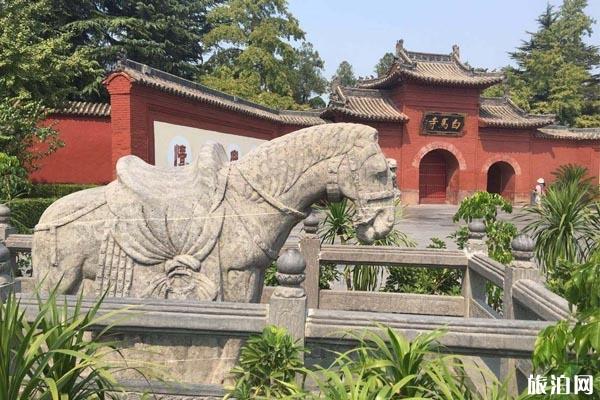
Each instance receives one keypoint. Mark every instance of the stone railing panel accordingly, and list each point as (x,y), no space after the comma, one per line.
(535,297)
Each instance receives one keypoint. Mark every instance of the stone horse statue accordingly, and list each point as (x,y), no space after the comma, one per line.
(208,230)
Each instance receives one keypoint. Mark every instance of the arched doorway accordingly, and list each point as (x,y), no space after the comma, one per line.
(438,178)
(501,180)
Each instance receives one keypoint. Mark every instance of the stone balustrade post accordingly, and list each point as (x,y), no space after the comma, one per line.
(476,243)
(5,231)
(287,305)
(5,228)
(473,285)
(523,266)
(310,246)
(6,272)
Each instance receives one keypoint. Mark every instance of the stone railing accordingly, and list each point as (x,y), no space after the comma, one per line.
(319,318)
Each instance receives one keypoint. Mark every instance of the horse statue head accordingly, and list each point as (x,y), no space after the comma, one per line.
(363,175)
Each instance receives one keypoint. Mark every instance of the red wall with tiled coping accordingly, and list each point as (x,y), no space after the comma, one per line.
(85,156)
(93,145)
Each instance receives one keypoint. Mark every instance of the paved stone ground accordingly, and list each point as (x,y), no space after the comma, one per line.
(425,221)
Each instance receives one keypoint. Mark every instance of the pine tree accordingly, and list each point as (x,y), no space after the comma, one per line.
(555,66)
(166,34)
(384,64)
(345,74)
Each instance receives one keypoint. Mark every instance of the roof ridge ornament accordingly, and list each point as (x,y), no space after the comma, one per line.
(456,51)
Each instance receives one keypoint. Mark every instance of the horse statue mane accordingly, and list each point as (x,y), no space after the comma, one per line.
(278,172)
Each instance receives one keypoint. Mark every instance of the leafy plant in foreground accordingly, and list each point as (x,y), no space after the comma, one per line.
(569,348)
(51,357)
(563,225)
(267,367)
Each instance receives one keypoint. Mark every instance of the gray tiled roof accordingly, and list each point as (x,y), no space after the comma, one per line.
(501,112)
(84,109)
(562,132)
(365,104)
(148,76)
(439,69)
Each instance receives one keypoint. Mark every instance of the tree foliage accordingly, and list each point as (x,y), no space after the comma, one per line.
(555,70)
(166,34)
(344,74)
(384,64)
(251,46)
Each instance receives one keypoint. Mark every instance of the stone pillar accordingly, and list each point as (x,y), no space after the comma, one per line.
(522,267)
(5,228)
(473,285)
(310,246)
(287,305)
(6,272)
(476,243)
(5,231)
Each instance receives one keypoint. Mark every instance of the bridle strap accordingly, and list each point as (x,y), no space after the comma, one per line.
(272,200)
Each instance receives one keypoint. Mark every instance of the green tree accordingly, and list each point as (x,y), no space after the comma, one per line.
(555,66)
(309,81)
(166,34)
(37,60)
(384,64)
(344,74)
(252,46)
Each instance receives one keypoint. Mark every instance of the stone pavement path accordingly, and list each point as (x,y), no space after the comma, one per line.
(425,221)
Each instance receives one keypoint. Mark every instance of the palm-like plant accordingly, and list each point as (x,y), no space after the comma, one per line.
(338,224)
(563,224)
(389,366)
(50,358)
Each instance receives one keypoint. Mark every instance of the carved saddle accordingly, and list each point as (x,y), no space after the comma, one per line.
(166,216)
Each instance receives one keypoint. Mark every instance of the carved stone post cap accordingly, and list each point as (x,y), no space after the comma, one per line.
(311,223)
(522,247)
(4,214)
(291,262)
(476,229)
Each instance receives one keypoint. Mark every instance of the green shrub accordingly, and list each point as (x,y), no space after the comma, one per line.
(388,366)
(443,281)
(267,367)
(13,178)
(25,213)
(569,348)
(55,190)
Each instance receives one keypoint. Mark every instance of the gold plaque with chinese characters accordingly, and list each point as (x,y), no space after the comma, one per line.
(435,123)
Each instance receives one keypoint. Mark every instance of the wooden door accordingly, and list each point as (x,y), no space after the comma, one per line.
(433,179)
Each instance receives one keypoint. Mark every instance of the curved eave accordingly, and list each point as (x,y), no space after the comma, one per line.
(217,99)
(471,82)
(340,111)
(398,75)
(494,123)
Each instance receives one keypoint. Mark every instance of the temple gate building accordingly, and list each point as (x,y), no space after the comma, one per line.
(448,140)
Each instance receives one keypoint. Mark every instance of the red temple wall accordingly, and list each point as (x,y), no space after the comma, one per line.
(93,145)
(414,100)
(85,158)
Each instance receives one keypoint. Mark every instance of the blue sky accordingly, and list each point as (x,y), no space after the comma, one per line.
(362,31)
